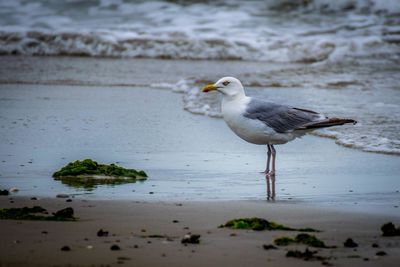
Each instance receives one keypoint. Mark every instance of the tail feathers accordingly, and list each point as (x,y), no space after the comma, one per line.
(326,123)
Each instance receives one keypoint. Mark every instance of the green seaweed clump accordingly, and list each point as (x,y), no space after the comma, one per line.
(88,173)
(389,229)
(307,255)
(4,192)
(37,213)
(306,239)
(260,224)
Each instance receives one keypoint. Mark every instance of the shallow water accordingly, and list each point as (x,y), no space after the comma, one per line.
(187,157)
(327,51)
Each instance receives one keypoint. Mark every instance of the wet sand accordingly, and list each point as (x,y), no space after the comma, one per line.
(188,157)
(130,224)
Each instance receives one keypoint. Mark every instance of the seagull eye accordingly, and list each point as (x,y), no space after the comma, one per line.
(225,83)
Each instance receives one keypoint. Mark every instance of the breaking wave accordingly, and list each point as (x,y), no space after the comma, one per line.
(276,31)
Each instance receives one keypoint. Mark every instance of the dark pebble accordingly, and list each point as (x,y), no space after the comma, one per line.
(349,243)
(65,248)
(191,239)
(151,193)
(68,200)
(135,246)
(375,245)
(175,221)
(381,253)
(115,247)
(33,198)
(45,232)
(101,233)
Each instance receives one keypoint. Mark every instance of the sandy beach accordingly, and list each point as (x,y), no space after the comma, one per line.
(131,225)
(113,90)
(200,175)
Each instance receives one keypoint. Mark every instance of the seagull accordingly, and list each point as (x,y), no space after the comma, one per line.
(265,123)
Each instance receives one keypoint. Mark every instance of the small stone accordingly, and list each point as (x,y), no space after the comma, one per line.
(375,245)
(89,247)
(191,239)
(175,221)
(101,233)
(45,232)
(68,200)
(151,193)
(349,243)
(33,198)
(62,196)
(65,248)
(115,247)
(135,246)
(381,253)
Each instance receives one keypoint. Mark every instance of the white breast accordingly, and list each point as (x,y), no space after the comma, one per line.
(253,131)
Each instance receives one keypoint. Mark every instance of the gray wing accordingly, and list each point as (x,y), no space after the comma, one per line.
(280,117)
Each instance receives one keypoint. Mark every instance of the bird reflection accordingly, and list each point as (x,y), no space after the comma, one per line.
(270,179)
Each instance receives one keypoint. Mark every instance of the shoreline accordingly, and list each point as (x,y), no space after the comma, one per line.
(203,160)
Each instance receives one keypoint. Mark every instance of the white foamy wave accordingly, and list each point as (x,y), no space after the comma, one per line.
(365,135)
(276,31)
(371,142)
(194,100)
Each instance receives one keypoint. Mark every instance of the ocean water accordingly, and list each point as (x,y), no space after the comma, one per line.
(337,57)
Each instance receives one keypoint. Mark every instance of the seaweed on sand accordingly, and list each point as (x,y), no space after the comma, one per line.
(37,213)
(306,239)
(259,224)
(88,173)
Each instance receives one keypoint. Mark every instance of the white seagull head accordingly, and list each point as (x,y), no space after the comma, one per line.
(228,86)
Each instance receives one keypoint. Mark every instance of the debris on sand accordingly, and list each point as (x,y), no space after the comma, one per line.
(260,224)
(37,213)
(381,253)
(306,239)
(268,247)
(307,255)
(4,192)
(66,213)
(14,190)
(88,173)
(349,243)
(65,248)
(102,233)
(191,239)
(115,247)
(389,229)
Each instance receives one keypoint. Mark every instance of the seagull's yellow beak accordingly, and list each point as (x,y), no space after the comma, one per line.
(208,88)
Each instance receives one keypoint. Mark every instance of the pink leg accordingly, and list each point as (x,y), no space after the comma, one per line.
(273,152)
(268,160)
